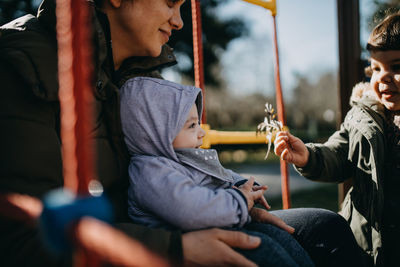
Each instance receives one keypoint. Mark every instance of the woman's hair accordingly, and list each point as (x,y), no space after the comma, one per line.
(386,35)
(99,3)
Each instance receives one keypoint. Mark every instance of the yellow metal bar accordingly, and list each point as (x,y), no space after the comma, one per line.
(213,137)
(270,5)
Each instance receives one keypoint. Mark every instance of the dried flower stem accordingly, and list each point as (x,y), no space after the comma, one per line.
(269,126)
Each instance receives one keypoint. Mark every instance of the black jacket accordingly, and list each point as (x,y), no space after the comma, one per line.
(30,154)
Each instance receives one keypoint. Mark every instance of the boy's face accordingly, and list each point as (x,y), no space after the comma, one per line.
(385,78)
(191,135)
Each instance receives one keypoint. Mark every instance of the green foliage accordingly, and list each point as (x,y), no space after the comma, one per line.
(216,36)
(324,196)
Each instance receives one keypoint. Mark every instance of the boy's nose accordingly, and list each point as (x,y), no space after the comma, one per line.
(385,76)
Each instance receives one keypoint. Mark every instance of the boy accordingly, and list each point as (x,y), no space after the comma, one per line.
(175,184)
(366,148)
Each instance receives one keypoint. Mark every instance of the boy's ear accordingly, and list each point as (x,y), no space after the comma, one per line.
(115,3)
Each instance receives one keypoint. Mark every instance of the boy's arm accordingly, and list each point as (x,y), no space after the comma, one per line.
(176,199)
(329,162)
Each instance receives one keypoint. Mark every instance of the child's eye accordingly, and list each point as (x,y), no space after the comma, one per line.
(193,125)
(376,69)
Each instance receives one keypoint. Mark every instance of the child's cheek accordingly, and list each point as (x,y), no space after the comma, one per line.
(397,80)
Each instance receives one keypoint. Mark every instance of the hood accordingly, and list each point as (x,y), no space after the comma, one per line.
(363,94)
(153,111)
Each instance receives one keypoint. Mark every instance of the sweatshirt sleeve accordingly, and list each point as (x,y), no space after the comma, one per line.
(158,188)
(329,162)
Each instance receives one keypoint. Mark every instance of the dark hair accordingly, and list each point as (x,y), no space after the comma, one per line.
(99,3)
(386,35)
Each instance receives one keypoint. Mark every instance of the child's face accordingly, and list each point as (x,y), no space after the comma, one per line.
(191,135)
(385,78)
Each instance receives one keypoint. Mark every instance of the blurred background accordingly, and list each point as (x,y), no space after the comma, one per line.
(239,76)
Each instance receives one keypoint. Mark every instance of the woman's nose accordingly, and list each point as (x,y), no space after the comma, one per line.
(176,20)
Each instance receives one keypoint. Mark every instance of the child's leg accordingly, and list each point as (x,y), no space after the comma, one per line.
(285,240)
(269,253)
(325,235)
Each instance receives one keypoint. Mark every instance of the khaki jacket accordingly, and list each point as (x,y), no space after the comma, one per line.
(357,151)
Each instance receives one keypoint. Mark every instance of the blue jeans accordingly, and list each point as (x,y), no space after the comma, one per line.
(278,248)
(325,235)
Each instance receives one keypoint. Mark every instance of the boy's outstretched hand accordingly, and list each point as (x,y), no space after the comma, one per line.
(291,149)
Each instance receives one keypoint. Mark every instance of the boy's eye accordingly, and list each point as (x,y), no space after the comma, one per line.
(376,69)
(193,125)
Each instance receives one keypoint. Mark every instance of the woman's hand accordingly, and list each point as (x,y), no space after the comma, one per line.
(213,247)
(291,149)
(263,216)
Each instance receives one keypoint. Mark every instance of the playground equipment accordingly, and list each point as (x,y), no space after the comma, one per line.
(214,137)
(112,246)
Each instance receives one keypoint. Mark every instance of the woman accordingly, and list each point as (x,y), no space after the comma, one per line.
(31,158)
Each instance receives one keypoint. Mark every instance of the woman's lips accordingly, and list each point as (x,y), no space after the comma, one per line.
(166,35)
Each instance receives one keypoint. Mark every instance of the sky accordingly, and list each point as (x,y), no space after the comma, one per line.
(307,43)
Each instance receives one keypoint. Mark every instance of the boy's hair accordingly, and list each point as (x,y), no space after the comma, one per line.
(386,35)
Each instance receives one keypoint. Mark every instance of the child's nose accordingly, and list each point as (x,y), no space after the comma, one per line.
(202,133)
(385,76)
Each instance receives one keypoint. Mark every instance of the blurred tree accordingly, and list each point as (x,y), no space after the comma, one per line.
(314,105)
(216,36)
(216,33)
(227,111)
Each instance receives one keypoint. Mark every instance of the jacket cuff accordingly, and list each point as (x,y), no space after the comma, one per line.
(245,218)
(241,182)
(309,169)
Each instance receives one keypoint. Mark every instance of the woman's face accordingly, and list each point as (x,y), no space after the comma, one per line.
(142,27)
(385,78)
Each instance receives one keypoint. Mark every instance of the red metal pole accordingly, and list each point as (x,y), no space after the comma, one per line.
(82,69)
(198,52)
(281,116)
(75,93)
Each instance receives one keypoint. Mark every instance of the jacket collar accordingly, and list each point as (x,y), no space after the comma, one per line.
(133,66)
(47,15)
(363,94)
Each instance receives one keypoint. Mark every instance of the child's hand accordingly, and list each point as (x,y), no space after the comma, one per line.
(291,149)
(253,193)
(263,216)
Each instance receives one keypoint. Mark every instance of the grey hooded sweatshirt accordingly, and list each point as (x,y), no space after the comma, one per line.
(186,188)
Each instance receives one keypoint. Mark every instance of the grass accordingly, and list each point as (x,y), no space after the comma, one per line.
(325,196)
